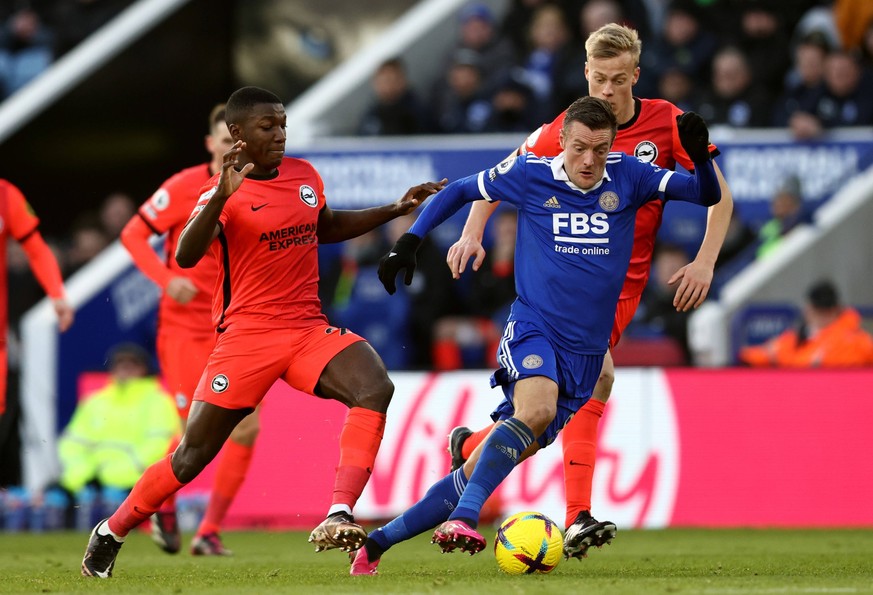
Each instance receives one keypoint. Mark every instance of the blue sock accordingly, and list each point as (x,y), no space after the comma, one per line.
(499,456)
(430,511)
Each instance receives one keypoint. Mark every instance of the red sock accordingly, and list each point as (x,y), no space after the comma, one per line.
(359,443)
(446,355)
(474,440)
(156,485)
(580,450)
(229,476)
(169,505)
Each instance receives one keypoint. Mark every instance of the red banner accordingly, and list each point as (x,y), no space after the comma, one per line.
(677,447)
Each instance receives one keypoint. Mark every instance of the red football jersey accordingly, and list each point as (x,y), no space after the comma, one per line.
(650,135)
(268,249)
(167,211)
(17,221)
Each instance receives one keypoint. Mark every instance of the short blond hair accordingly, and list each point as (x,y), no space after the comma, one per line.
(612,40)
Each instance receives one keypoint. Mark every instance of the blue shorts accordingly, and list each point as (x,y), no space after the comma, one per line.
(525,351)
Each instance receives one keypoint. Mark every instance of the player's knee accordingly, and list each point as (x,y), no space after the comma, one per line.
(538,416)
(377,395)
(187,464)
(604,385)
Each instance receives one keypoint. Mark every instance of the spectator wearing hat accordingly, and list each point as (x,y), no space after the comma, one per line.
(119,430)
(829,336)
(479,34)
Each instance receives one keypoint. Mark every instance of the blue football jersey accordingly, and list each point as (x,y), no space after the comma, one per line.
(572,246)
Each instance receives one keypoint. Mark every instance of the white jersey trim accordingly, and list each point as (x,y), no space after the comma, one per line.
(662,187)
(480,181)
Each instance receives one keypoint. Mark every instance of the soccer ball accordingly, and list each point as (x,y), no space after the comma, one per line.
(528,543)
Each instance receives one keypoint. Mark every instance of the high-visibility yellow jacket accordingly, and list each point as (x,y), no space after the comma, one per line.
(116,433)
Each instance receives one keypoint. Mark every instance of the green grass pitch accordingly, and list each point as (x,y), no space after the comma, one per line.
(668,561)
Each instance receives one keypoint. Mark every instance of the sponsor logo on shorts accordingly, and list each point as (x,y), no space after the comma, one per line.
(532,362)
(220,383)
(608,201)
(181,400)
(307,195)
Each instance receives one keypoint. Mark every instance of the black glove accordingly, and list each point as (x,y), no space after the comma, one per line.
(401,256)
(694,136)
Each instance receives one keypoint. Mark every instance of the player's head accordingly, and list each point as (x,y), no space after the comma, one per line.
(586,137)
(257,117)
(218,140)
(612,67)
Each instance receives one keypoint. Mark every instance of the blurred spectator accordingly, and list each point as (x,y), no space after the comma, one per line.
(479,34)
(684,46)
(513,107)
(396,110)
(87,240)
(732,99)
(818,18)
(26,44)
(804,84)
(738,239)
(115,211)
(119,430)
(471,340)
(461,104)
(846,98)
(656,310)
(829,336)
(763,40)
(548,38)
(519,15)
(787,212)
(433,294)
(678,88)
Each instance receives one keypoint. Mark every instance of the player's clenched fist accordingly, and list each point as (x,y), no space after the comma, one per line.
(401,256)
(694,136)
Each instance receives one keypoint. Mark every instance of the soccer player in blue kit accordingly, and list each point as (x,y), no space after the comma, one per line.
(576,216)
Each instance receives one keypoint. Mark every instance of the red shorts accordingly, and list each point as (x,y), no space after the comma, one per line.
(247,360)
(182,357)
(624,313)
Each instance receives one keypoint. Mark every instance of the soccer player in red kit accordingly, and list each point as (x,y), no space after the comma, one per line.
(186,335)
(18,221)
(647,129)
(263,218)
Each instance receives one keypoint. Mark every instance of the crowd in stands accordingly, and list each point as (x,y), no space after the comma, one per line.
(35,33)
(807,65)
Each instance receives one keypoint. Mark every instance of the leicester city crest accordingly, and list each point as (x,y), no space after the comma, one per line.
(608,201)
(532,362)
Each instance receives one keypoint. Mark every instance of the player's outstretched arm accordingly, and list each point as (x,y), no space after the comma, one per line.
(203,228)
(338,226)
(696,277)
(47,272)
(402,255)
(469,245)
(135,238)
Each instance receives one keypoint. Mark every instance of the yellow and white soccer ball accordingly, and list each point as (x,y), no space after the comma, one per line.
(528,543)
